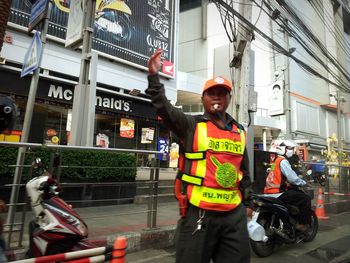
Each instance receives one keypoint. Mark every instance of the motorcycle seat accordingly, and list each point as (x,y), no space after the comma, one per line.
(292,209)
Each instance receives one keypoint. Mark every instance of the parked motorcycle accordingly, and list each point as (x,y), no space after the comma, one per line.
(273,224)
(316,177)
(57,228)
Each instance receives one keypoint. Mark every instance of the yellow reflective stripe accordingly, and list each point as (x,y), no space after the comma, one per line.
(225,145)
(243,139)
(194,156)
(191,179)
(201,168)
(213,195)
(202,136)
(240,176)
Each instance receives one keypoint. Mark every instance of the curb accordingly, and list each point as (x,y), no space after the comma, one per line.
(161,237)
(155,238)
(337,207)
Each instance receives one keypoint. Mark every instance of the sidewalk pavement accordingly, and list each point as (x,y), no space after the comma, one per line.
(108,222)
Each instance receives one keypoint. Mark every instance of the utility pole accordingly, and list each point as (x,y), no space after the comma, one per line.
(286,76)
(342,177)
(27,121)
(242,83)
(242,73)
(85,92)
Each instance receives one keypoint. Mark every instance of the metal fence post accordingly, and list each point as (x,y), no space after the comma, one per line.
(327,188)
(150,194)
(155,194)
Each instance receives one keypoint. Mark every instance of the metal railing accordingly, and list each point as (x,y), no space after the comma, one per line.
(334,178)
(16,223)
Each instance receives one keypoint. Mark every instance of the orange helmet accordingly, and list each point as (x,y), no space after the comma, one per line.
(217,82)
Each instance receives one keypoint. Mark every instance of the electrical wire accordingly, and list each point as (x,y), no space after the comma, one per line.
(326,18)
(249,26)
(282,23)
(304,28)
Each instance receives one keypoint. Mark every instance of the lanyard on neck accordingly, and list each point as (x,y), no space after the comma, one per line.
(226,126)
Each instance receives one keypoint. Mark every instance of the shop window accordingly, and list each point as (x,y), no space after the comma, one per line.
(50,121)
(108,132)
(48,124)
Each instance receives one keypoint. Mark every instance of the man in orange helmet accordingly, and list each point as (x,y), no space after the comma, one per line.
(213,178)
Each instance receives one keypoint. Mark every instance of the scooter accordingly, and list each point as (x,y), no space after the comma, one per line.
(316,177)
(273,224)
(57,228)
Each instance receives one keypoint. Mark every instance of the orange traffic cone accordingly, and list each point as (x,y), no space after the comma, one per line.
(320,212)
(119,250)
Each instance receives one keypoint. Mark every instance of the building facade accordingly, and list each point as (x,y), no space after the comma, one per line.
(125,35)
(311,64)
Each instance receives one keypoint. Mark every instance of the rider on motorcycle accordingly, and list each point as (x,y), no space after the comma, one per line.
(282,178)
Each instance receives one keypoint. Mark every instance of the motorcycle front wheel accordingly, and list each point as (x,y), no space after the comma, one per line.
(313,228)
(260,248)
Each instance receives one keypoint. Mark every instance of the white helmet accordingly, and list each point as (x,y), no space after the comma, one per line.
(284,145)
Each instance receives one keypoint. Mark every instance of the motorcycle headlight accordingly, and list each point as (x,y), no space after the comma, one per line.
(83,229)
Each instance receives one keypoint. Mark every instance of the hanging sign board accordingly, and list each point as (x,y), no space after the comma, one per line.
(276,99)
(37,14)
(75,25)
(32,57)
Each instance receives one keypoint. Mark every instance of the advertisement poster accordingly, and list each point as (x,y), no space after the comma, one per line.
(102,140)
(128,30)
(276,99)
(174,155)
(147,135)
(51,136)
(163,147)
(127,128)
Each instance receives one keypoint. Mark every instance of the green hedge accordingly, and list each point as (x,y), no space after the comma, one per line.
(125,163)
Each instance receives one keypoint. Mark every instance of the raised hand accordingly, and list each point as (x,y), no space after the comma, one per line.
(154,62)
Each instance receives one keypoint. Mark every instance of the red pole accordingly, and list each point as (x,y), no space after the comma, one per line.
(95,259)
(68,255)
(119,250)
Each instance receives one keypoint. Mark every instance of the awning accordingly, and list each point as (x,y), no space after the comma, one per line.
(331,107)
(318,146)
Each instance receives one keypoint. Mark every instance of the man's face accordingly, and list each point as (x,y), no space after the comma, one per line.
(216,95)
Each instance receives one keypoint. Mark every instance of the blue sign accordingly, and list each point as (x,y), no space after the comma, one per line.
(163,147)
(32,57)
(38,13)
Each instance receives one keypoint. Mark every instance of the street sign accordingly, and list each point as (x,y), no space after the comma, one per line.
(32,57)
(37,14)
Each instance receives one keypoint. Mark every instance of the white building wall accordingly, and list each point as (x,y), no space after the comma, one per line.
(309,119)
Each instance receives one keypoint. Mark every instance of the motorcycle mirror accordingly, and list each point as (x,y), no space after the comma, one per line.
(36,163)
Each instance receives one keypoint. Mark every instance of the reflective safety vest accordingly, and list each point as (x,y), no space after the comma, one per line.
(212,170)
(275,180)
